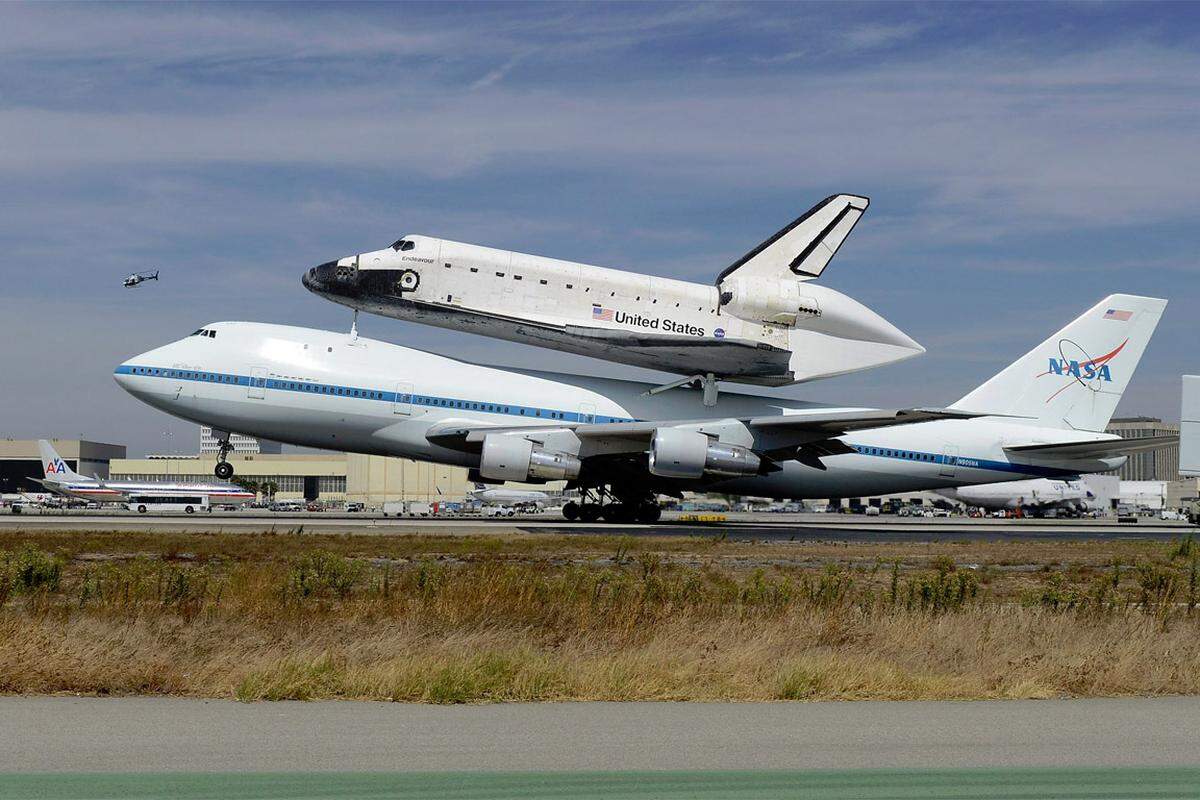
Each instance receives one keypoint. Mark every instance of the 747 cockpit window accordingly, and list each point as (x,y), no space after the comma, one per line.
(402,244)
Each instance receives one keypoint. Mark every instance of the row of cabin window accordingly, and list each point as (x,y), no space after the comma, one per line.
(880,451)
(369,394)
(181,373)
(318,389)
(463,404)
(544,282)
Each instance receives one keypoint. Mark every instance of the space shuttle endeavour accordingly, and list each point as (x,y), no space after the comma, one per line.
(763,321)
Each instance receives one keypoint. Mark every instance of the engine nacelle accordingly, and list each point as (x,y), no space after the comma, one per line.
(514,458)
(677,453)
(767,300)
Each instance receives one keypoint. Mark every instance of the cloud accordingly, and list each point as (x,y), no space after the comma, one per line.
(994,142)
(875,35)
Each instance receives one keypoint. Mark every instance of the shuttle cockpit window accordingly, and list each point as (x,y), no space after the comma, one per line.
(402,244)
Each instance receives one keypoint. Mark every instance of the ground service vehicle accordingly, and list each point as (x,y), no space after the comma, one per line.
(188,504)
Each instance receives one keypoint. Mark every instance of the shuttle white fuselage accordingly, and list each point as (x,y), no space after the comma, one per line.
(763,322)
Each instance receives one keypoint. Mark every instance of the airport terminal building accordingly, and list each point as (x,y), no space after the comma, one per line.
(1153,465)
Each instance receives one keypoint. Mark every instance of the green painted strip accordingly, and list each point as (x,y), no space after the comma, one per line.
(1014,784)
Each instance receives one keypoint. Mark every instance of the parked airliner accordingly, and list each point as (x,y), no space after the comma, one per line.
(61,479)
(1035,494)
(1043,416)
(762,321)
(509,497)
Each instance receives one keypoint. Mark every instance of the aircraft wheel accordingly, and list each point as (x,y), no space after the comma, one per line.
(570,511)
(618,512)
(223,470)
(649,513)
(589,512)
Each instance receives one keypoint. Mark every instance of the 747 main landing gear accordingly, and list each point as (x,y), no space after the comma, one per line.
(223,470)
(624,510)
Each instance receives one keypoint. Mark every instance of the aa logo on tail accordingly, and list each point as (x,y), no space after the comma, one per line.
(1074,364)
(56,467)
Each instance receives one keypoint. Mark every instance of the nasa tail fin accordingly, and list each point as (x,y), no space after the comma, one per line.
(1075,378)
(806,245)
(53,467)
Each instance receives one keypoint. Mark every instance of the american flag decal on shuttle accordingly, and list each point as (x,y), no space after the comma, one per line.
(1116,313)
(602,314)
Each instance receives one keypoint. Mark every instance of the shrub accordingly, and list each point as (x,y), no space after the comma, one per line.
(942,591)
(30,570)
(321,574)
(1183,548)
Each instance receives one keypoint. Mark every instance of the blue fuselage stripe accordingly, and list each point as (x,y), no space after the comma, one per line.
(362,393)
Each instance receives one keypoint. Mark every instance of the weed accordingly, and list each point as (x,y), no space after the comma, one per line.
(321,575)
(30,570)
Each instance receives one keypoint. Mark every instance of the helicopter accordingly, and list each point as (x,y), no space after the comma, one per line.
(140,277)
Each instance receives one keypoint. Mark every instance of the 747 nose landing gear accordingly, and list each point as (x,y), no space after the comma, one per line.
(223,470)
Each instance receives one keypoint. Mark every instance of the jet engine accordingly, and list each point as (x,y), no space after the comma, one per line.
(514,458)
(678,453)
(767,300)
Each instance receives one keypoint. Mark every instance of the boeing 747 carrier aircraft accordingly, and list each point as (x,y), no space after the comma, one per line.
(1043,416)
(763,321)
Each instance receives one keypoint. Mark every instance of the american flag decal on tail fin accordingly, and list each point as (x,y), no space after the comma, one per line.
(1116,313)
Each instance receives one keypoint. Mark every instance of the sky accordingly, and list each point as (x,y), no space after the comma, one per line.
(1022,160)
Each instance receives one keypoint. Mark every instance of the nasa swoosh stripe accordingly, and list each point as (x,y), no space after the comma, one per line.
(383,396)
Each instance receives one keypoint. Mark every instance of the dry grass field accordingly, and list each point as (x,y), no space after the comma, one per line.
(463,619)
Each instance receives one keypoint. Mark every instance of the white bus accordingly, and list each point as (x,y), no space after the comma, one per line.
(189,504)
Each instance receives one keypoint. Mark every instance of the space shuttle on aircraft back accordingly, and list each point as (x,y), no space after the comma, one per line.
(763,321)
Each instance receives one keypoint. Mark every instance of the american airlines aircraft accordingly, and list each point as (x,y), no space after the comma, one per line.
(1043,416)
(763,321)
(63,480)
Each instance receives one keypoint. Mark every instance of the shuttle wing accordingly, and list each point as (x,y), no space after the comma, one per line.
(720,356)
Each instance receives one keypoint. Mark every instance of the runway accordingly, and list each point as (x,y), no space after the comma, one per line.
(741,526)
(66,734)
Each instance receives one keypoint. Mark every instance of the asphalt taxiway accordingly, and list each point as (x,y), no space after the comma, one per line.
(140,734)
